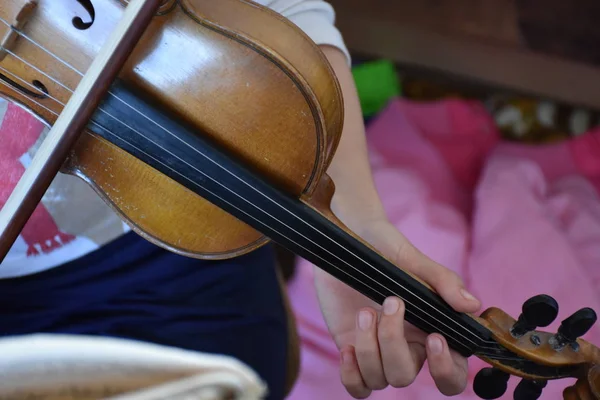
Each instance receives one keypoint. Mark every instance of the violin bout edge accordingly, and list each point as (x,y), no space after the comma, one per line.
(163,211)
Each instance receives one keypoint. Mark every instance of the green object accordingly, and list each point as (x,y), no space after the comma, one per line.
(377,82)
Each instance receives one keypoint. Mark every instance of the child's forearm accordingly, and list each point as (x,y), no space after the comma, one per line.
(356,199)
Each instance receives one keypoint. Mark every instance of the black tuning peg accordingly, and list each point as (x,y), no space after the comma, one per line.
(529,390)
(490,383)
(574,327)
(538,311)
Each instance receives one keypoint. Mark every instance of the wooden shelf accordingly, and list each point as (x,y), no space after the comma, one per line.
(472,39)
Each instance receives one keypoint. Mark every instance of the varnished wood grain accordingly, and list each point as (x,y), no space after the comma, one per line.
(587,388)
(18,23)
(246,78)
(242,76)
(587,357)
(500,323)
(67,128)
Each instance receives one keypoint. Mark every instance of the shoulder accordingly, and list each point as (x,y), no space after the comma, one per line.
(290,7)
(315,17)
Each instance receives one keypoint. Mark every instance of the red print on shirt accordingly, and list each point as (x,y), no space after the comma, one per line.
(18,132)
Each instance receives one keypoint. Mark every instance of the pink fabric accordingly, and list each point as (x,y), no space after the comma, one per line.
(513,220)
(18,132)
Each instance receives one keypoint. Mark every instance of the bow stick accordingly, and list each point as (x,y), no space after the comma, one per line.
(72,120)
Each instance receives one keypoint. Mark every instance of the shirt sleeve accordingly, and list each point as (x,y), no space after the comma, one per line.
(315,17)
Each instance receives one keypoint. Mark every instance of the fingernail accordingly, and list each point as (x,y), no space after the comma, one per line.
(467,295)
(435,345)
(364,320)
(390,306)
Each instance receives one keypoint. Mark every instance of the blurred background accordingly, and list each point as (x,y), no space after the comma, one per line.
(534,64)
(482,124)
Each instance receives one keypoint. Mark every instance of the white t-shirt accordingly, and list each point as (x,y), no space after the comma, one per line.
(71,220)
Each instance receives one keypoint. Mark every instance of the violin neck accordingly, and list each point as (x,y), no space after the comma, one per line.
(178,152)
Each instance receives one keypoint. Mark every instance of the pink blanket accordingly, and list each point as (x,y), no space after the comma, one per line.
(513,220)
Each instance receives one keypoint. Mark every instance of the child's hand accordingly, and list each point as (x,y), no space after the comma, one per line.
(378,347)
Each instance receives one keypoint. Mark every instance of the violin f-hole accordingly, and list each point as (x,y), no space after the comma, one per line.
(78,21)
(43,90)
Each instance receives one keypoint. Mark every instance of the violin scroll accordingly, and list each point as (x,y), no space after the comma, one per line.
(543,355)
(586,388)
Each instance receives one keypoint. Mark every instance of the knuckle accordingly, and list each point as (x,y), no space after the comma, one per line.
(356,390)
(453,390)
(378,385)
(364,353)
(451,387)
(448,382)
(443,373)
(402,381)
(360,394)
(445,277)
(388,333)
(451,275)
(456,278)
(406,251)
(352,383)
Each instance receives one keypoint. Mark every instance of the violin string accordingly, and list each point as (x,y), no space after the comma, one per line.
(64,86)
(41,47)
(39,70)
(32,100)
(364,283)
(493,356)
(338,268)
(208,158)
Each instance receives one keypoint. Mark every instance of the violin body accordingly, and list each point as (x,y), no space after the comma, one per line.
(235,118)
(239,73)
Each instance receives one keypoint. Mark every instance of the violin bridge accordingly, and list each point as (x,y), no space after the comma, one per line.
(17,24)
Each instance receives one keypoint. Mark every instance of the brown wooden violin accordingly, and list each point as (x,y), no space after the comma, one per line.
(215,138)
